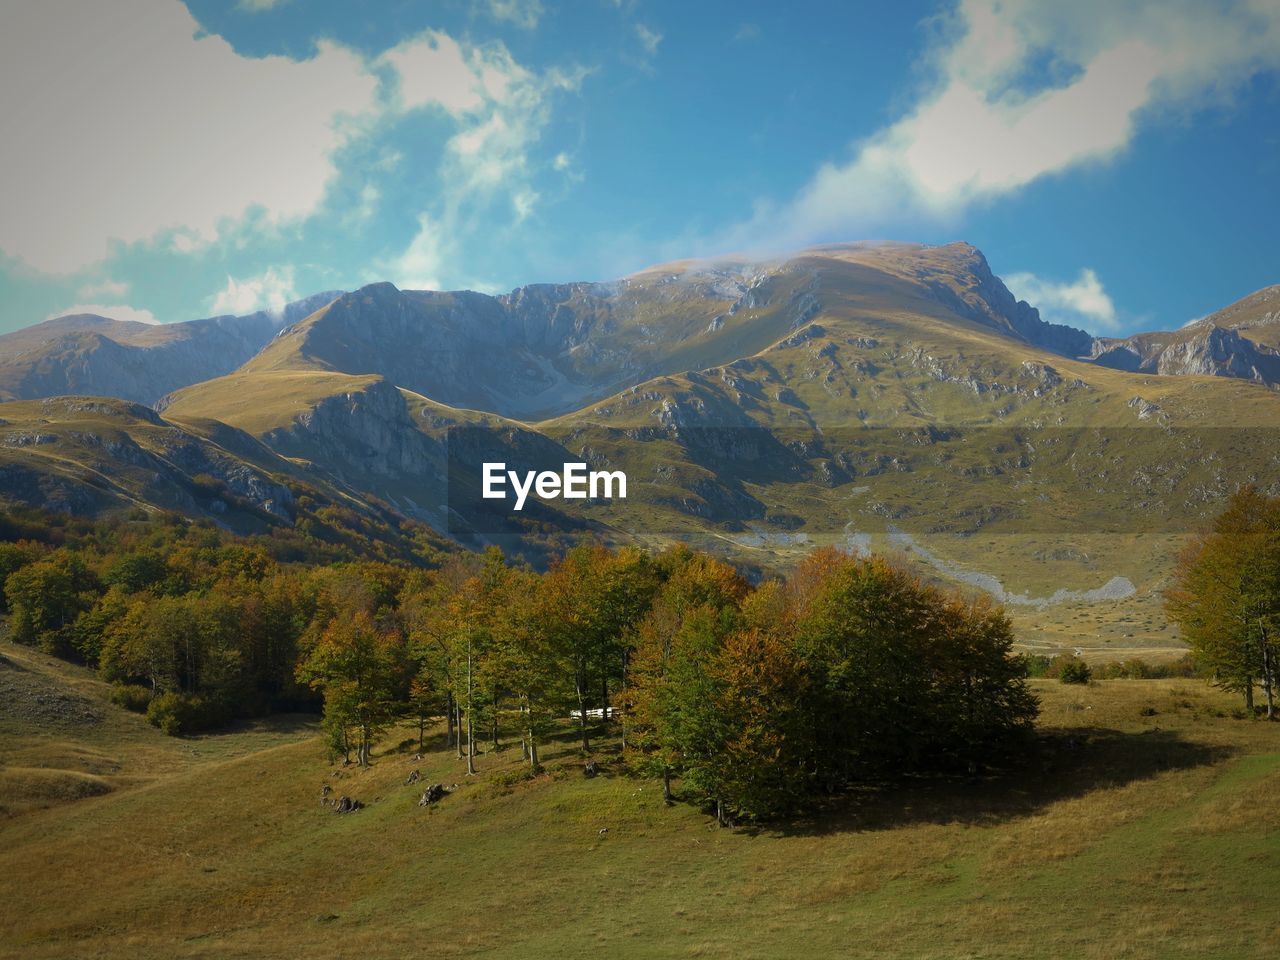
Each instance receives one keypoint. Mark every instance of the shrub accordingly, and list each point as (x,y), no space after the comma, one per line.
(1074,670)
(1038,665)
(181,713)
(132,696)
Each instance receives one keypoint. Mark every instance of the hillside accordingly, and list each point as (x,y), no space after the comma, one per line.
(894,396)
(93,456)
(87,455)
(1139,833)
(88,354)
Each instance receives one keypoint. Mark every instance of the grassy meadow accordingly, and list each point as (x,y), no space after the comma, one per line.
(1146,827)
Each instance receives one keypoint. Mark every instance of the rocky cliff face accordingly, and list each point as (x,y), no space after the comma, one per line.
(974,292)
(1220,353)
(359,434)
(533,351)
(1201,349)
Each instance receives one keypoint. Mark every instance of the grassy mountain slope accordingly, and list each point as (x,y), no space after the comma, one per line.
(88,354)
(1256,316)
(1140,833)
(94,456)
(368,435)
(67,741)
(86,455)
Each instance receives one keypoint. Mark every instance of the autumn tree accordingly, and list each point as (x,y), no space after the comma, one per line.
(1225,596)
(523,661)
(357,665)
(759,765)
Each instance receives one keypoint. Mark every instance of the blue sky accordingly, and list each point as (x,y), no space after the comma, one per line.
(1117,162)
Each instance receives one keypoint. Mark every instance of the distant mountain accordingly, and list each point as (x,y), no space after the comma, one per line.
(93,355)
(547,349)
(1241,340)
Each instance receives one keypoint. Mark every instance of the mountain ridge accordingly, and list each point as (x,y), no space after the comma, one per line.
(96,355)
(545,349)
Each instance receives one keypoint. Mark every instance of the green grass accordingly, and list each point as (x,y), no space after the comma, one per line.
(1133,836)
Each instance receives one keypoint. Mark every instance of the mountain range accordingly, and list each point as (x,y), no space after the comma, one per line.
(863,393)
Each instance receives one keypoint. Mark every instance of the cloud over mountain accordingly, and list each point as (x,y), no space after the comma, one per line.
(1024,90)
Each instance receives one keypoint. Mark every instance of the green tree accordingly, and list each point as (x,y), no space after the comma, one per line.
(1226,596)
(673,720)
(46,597)
(357,666)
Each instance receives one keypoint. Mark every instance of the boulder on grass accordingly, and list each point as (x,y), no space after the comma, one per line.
(347,805)
(433,794)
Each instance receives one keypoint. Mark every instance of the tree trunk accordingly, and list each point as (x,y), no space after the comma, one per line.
(450,730)
(533,752)
(1248,695)
(604,702)
(362,757)
(471,747)
(666,786)
(422,732)
(626,704)
(1268,674)
(582,711)
(528,737)
(471,718)
(457,740)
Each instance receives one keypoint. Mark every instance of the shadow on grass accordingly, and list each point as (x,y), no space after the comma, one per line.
(273,723)
(1064,764)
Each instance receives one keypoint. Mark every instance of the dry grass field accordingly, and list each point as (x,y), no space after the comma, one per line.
(1145,828)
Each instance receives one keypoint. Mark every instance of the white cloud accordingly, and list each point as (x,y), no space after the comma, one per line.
(1083,302)
(370,197)
(562,162)
(103,289)
(522,13)
(649,39)
(433,70)
(1026,89)
(501,109)
(418,267)
(148,124)
(118,311)
(257,6)
(500,105)
(271,290)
